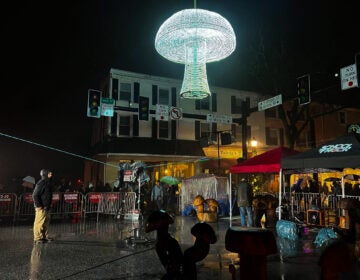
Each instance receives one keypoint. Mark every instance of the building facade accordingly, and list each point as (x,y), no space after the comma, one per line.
(183,137)
(172,135)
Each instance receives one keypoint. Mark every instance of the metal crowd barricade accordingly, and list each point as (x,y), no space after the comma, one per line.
(26,206)
(8,205)
(110,203)
(91,203)
(71,203)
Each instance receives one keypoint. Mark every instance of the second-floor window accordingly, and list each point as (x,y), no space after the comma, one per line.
(125,92)
(274,136)
(164,97)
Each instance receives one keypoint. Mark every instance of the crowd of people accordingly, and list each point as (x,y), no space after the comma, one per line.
(309,185)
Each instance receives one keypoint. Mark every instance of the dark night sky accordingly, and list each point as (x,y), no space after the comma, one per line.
(53,52)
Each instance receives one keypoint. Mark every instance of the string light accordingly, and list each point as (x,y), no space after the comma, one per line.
(195,37)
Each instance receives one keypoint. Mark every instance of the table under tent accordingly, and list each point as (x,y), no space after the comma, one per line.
(209,187)
(334,156)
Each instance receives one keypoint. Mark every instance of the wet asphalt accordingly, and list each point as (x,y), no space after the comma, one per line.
(120,249)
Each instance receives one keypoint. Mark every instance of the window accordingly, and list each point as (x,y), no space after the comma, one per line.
(164,96)
(164,129)
(125,91)
(124,126)
(202,104)
(204,129)
(342,117)
(236,105)
(271,136)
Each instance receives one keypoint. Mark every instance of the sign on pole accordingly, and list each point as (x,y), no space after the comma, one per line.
(218,118)
(107,107)
(162,112)
(348,77)
(271,102)
(176,113)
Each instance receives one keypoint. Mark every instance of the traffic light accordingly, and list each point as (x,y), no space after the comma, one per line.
(143,108)
(94,103)
(303,89)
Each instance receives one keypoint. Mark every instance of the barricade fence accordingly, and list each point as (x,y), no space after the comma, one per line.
(302,202)
(69,204)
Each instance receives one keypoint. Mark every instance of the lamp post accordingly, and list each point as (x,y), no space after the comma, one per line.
(253,144)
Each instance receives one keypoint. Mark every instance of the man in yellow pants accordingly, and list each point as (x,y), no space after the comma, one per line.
(42,196)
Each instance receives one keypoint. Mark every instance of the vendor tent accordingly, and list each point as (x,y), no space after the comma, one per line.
(206,185)
(268,162)
(343,152)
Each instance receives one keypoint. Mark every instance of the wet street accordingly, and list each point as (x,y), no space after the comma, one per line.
(113,249)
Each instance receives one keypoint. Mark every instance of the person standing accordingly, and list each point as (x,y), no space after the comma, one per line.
(244,202)
(42,196)
(157,195)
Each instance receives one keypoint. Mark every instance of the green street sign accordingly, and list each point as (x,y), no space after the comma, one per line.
(108,101)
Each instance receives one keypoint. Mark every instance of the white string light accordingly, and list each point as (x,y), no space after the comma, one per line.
(194,37)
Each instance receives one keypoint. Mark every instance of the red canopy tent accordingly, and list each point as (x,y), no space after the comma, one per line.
(268,162)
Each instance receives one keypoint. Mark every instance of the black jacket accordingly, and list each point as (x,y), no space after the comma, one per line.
(42,194)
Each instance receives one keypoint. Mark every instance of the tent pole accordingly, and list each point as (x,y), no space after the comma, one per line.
(230,200)
(342,185)
(280,191)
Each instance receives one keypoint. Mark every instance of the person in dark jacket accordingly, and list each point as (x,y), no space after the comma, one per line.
(42,196)
(244,196)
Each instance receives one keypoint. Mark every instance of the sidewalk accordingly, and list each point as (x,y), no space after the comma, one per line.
(90,250)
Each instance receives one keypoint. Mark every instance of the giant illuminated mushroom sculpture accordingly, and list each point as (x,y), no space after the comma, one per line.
(194,37)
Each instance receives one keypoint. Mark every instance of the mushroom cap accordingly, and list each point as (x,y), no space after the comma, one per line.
(207,31)
(205,232)
(157,220)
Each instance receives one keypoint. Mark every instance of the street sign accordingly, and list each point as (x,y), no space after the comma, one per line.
(162,112)
(271,102)
(176,113)
(218,118)
(107,107)
(348,77)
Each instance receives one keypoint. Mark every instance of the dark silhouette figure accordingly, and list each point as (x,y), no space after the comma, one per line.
(167,247)
(205,236)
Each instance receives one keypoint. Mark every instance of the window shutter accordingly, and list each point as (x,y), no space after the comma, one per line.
(154,94)
(115,89)
(113,125)
(173,96)
(154,128)
(173,129)
(135,125)
(197,130)
(136,92)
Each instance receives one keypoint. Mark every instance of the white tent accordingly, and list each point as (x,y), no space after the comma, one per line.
(206,185)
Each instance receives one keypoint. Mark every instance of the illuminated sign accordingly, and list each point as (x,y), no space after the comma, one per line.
(338,148)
